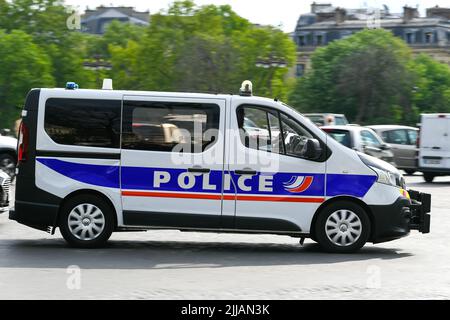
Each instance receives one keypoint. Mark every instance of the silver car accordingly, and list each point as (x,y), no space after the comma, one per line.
(361,139)
(403,142)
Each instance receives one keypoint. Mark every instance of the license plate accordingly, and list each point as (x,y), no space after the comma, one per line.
(432,161)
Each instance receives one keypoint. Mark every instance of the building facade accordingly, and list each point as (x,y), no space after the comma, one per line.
(325,23)
(95,21)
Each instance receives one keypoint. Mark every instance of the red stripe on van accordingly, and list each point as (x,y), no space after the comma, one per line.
(219,197)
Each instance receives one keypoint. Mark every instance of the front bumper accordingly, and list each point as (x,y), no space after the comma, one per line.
(420,209)
(398,219)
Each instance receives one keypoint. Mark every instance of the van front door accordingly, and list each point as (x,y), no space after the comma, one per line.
(172,161)
(274,187)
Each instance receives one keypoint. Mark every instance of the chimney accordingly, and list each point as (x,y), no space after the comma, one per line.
(409,13)
(340,15)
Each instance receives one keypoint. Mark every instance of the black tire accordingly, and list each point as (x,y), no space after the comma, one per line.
(342,207)
(81,202)
(410,171)
(428,177)
(8,164)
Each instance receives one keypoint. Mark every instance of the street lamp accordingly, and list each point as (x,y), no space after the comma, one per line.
(97,65)
(272,63)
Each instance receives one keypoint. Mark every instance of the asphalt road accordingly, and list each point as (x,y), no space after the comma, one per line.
(175,265)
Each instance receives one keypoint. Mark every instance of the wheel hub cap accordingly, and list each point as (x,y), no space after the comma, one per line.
(86,221)
(343,228)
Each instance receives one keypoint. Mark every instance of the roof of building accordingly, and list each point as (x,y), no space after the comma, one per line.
(116,13)
(385,23)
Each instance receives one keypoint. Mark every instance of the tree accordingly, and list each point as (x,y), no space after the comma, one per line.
(207,48)
(432,90)
(366,76)
(46,22)
(23,66)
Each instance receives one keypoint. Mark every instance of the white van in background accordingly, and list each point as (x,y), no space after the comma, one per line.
(434,146)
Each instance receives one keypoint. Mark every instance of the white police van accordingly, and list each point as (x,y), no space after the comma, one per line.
(92,162)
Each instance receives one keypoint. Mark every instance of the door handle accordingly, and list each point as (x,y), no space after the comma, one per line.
(199,170)
(246,172)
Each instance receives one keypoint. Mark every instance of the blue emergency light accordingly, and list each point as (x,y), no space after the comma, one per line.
(71,86)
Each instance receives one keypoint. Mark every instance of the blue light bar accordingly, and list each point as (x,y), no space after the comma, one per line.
(71,86)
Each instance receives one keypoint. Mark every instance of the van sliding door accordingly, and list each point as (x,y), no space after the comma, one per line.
(172,161)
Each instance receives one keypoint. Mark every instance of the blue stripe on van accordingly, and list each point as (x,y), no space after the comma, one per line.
(141,178)
(97,175)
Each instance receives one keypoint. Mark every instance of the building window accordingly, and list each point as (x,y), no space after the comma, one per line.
(409,38)
(429,37)
(302,41)
(319,40)
(300,70)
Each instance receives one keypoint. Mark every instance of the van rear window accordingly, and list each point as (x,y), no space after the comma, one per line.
(83,122)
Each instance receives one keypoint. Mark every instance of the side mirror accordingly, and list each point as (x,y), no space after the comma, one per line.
(312,149)
(385,146)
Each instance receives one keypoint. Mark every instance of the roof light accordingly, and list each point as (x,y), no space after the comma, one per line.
(107,84)
(246,88)
(71,86)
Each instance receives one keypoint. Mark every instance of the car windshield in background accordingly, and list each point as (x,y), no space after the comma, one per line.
(317,120)
(340,121)
(341,136)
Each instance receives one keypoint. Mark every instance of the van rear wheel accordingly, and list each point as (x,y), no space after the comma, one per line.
(86,221)
(342,227)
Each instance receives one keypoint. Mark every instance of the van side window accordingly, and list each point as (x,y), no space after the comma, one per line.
(162,126)
(83,122)
(260,129)
(294,136)
(272,131)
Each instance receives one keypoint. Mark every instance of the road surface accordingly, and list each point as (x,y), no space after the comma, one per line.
(176,265)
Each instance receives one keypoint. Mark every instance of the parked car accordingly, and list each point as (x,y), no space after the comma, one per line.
(434,146)
(327,119)
(8,154)
(361,139)
(5,182)
(403,142)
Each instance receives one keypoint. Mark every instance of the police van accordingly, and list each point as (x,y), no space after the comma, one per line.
(93,162)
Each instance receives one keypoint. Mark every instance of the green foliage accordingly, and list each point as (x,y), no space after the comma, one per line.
(364,76)
(372,77)
(207,49)
(432,93)
(23,66)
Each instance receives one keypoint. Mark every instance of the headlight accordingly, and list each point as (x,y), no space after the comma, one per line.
(386,177)
(390,178)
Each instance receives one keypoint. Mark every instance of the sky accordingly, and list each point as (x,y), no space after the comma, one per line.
(280,13)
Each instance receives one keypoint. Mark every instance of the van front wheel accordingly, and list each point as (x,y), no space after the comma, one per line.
(86,221)
(342,227)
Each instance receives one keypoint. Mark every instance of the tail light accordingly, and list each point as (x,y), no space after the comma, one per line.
(23,143)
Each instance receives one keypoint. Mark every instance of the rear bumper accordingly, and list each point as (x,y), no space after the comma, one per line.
(36,215)
(398,219)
